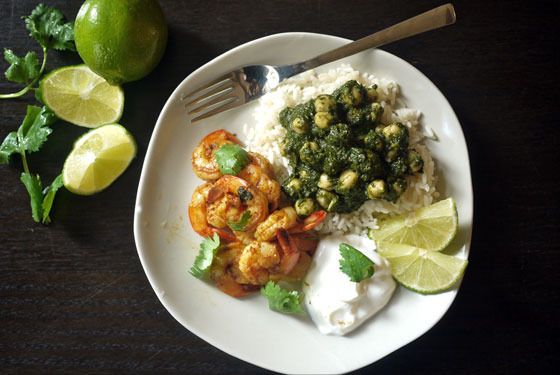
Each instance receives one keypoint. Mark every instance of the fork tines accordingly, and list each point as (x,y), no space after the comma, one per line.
(214,97)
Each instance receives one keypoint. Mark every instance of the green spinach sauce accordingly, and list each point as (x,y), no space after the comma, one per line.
(341,154)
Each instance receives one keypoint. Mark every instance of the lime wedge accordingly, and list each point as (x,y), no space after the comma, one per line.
(78,95)
(422,270)
(97,159)
(432,227)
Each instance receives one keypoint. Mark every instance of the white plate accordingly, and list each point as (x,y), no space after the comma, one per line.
(247,329)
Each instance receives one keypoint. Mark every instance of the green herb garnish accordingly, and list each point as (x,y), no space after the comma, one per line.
(282,300)
(355,264)
(22,69)
(29,138)
(208,249)
(48,197)
(46,25)
(242,223)
(231,159)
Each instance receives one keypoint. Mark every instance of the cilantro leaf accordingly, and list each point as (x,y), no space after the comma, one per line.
(31,135)
(34,130)
(8,147)
(48,198)
(46,25)
(282,300)
(355,264)
(208,249)
(22,69)
(33,186)
(242,223)
(231,158)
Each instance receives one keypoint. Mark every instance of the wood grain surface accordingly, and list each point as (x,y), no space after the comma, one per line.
(74,297)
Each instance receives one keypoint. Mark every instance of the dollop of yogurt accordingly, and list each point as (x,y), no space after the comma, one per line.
(336,304)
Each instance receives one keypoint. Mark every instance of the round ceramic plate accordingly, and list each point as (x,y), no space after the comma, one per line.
(246,328)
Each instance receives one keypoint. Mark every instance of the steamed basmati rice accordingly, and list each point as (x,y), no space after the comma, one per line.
(266,132)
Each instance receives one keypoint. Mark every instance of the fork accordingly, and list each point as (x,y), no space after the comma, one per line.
(251,82)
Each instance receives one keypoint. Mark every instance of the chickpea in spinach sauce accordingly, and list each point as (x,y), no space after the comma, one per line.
(342,155)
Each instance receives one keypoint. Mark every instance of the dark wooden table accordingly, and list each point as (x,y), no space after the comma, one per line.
(74,297)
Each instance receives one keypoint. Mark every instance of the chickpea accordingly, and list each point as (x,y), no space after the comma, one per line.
(326,182)
(323,119)
(376,189)
(324,103)
(347,180)
(309,154)
(293,187)
(394,130)
(299,126)
(305,206)
(326,199)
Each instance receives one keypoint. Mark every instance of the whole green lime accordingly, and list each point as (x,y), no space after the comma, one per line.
(121,40)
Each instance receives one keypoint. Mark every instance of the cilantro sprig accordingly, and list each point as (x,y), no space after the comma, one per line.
(208,249)
(29,137)
(282,300)
(355,264)
(46,25)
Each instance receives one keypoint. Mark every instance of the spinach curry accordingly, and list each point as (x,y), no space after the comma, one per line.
(340,153)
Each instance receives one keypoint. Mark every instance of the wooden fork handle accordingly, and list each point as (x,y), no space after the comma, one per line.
(433,19)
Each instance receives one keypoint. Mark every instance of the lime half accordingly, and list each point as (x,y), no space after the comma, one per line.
(97,159)
(432,227)
(422,270)
(78,95)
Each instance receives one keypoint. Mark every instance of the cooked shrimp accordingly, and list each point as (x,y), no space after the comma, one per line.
(245,237)
(198,214)
(228,200)
(263,163)
(203,161)
(293,245)
(226,274)
(284,218)
(297,273)
(258,177)
(310,222)
(197,210)
(258,260)
(223,209)
(290,252)
(306,242)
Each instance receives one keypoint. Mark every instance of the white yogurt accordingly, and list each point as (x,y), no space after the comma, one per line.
(336,304)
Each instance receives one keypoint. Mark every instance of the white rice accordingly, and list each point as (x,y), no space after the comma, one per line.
(266,132)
